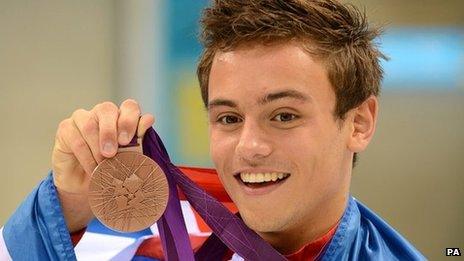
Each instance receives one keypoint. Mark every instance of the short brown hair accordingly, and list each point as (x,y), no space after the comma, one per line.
(336,33)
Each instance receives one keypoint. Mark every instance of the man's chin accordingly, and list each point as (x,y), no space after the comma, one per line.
(261,223)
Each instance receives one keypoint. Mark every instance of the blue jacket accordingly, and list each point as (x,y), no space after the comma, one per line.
(37,231)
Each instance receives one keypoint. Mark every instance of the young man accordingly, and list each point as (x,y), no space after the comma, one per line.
(291,93)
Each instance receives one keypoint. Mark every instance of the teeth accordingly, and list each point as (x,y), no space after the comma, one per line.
(273,176)
(267,177)
(251,178)
(262,177)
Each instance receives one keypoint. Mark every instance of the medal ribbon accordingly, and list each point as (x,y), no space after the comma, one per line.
(226,226)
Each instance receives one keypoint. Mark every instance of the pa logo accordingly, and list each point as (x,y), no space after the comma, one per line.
(453,251)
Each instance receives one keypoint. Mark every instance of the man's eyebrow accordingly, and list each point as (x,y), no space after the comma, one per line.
(221,102)
(284,94)
(266,99)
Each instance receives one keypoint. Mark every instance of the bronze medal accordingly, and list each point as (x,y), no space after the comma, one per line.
(128,192)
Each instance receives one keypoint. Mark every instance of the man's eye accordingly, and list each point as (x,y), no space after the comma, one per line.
(284,117)
(228,119)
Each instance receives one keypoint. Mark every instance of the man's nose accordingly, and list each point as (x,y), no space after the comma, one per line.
(254,142)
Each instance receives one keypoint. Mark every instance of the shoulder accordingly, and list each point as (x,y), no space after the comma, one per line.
(362,234)
(376,234)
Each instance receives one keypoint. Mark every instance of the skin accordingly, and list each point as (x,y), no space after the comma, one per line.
(294,132)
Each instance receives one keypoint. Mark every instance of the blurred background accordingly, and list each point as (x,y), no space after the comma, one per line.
(57,56)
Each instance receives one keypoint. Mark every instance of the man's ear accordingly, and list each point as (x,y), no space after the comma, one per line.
(363,121)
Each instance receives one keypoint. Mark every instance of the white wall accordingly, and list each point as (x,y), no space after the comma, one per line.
(55,56)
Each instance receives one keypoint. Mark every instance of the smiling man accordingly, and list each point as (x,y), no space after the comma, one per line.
(282,155)
(291,92)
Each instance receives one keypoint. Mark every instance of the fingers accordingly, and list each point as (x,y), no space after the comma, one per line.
(128,121)
(106,126)
(88,128)
(145,122)
(106,114)
(77,145)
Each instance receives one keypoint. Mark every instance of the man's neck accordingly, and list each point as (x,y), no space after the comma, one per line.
(309,229)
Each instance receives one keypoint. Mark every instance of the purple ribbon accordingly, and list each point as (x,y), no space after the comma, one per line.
(226,226)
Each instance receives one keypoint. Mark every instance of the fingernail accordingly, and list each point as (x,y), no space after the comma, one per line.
(123,136)
(108,148)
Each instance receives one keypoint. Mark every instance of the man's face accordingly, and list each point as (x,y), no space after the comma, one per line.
(275,143)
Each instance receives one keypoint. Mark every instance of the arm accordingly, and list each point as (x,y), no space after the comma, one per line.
(39,229)
(38,226)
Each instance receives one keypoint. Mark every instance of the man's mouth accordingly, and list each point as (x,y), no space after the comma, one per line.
(261,180)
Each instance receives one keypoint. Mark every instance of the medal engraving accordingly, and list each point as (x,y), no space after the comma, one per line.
(128,192)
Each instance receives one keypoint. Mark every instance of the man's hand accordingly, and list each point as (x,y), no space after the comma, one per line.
(82,142)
